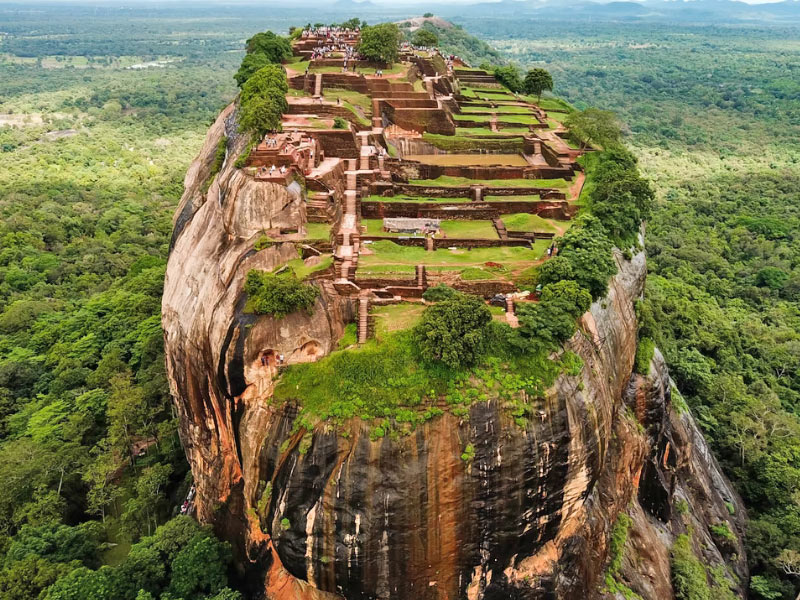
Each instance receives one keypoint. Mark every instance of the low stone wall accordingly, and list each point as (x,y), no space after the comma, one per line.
(337,142)
(420,242)
(532,235)
(466,210)
(486,289)
(465,191)
(420,119)
(413,103)
(370,283)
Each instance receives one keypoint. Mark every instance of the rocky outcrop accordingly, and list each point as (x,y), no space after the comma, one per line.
(315,514)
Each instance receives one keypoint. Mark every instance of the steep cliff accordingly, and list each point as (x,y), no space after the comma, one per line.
(528,516)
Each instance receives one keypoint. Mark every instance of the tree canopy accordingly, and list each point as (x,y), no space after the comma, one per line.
(263,100)
(454,331)
(594,126)
(425,37)
(380,43)
(262,49)
(509,76)
(537,81)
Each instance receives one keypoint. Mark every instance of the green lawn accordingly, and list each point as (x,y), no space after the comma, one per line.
(301,270)
(363,101)
(395,317)
(528,222)
(460,143)
(318,231)
(525,198)
(468,229)
(511,109)
(475,131)
(446,180)
(461,117)
(386,253)
(524,119)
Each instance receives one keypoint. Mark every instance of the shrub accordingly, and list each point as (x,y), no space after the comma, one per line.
(644,354)
(553,320)
(556,269)
(689,579)
(587,248)
(278,295)
(468,454)
(440,292)
(619,537)
(340,123)
(454,331)
(509,76)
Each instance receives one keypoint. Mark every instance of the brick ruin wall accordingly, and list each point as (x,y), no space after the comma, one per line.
(466,210)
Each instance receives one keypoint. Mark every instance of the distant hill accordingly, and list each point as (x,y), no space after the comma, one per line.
(726,11)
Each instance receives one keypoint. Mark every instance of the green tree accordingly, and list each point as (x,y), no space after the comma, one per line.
(454,331)
(588,250)
(594,126)
(200,568)
(273,47)
(263,100)
(425,37)
(509,76)
(278,295)
(143,510)
(25,579)
(552,320)
(251,63)
(556,269)
(380,43)
(538,81)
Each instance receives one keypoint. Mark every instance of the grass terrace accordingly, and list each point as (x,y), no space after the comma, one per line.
(508,109)
(509,160)
(525,198)
(487,132)
(303,270)
(460,143)
(318,231)
(529,222)
(461,229)
(404,198)
(389,255)
(351,97)
(396,317)
(385,379)
(468,230)
(446,180)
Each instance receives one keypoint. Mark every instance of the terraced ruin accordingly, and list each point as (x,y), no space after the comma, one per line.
(433,155)
(359,423)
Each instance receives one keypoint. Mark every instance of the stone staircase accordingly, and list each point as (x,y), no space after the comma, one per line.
(362,327)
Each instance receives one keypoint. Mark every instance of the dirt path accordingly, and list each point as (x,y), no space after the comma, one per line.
(576,187)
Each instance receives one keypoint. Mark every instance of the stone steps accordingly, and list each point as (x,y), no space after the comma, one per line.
(363,320)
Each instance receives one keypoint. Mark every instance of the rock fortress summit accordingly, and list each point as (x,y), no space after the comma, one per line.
(402,341)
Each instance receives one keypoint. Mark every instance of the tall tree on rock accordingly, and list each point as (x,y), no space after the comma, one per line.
(594,126)
(537,81)
(380,43)
(263,100)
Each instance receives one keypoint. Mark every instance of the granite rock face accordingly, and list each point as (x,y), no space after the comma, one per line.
(312,514)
